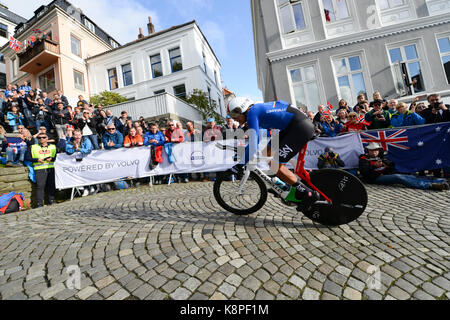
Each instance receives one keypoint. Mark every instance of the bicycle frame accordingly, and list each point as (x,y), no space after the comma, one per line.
(299,170)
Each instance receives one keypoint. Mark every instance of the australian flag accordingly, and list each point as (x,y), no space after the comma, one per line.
(414,149)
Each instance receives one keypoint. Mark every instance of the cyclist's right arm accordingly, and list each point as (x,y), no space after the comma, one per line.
(253,133)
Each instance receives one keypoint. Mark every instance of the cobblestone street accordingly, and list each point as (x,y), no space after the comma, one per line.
(176,243)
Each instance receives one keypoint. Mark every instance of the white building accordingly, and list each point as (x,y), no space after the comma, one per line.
(8,22)
(174,61)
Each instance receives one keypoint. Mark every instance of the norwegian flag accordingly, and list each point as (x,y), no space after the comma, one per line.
(329,109)
(327,15)
(37,30)
(14,43)
(362,119)
(393,139)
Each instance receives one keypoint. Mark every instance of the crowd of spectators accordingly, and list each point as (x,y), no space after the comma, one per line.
(85,127)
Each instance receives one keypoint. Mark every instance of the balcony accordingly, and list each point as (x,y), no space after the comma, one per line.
(159,106)
(43,54)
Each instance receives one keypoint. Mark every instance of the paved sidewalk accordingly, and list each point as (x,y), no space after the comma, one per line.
(176,243)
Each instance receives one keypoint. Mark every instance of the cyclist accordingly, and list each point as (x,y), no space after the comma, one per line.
(295,131)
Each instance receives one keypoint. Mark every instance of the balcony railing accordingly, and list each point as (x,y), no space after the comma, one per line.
(47,46)
(156,106)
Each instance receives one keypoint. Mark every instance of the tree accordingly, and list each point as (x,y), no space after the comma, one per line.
(107,98)
(200,99)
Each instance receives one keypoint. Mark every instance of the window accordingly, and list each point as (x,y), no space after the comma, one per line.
(408,59)
(219,100)
(89,25)
(156,66)
(180,91)
(127,75)
(2,58)
(175,60)
(76,45)
(215,78)
(350,78)
(335,10)
(14,69)
(47,81)
(3,30)
(159,92)
(291,15)
(113,79)
(305,87)
(204,62)
(2,81)
(78,80)
(444,49)
(209,96)
(113,43)
(389,4)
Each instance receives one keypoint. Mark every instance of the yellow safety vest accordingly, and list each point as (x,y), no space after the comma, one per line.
(38,152)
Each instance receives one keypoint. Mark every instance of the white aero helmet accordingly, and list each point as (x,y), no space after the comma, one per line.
(238,106)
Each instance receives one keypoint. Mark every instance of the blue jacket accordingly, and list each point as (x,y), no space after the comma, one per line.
(327,129)
(14,120)
(157,136)
(406,120)
(85,148)
(116,138)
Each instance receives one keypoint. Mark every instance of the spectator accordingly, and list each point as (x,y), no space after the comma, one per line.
(228,132)
(63,98)
(154,137)
(405,117)
(15,118)
(123,121)
(362,108)
(88,127)
(192,135)
(42,156)
(25,87)
(112,139)
(127,127)
(353,124)
(29,106)
(79,144)
(437,111)
(378,118)
(360,99)
(143,124)
(173,134)
(42,130)
(81,102)
(15,152)
(133,139)
(77,117)
(101,123)
(42,114)
(212,131)
(343,106)
(184,176)
(319,114)
(330,159)
(330,127)
(392,106)
(342,116)
(47,101)
(377,169)
(376,97)
(140,131)
(60,119)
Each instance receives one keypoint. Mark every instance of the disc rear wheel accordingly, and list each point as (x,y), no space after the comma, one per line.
(348,194)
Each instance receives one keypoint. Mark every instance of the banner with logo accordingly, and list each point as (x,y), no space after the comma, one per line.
(108,166)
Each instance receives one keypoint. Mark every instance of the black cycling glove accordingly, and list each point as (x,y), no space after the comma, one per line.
(238,169)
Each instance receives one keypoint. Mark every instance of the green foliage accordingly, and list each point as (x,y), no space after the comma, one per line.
(200,99)
(107,98)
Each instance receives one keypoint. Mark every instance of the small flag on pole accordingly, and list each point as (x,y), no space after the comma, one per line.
(14,43)
(37,30)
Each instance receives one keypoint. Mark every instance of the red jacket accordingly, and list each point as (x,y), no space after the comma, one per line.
(175,136)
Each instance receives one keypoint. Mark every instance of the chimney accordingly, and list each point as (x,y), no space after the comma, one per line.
(140,35)
(150,26)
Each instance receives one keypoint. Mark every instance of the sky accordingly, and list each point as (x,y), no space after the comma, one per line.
(226,24)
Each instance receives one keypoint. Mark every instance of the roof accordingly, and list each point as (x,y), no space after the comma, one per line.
(70,10)
(11,16)
(156,34)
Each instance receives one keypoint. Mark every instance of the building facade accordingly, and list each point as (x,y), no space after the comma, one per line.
(58,61)
(8,22)
(309,52)
(175,61)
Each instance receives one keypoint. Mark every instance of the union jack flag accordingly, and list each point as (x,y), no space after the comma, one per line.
(393,139)
(14,43)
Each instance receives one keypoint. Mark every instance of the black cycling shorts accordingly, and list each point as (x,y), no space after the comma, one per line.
(295,136)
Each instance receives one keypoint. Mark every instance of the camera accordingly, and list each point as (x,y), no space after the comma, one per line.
(437,104)
(332,154)
(379,116)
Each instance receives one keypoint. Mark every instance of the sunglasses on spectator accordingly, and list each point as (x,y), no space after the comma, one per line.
(42,138)
(351,117)
(111,129)
(171,125)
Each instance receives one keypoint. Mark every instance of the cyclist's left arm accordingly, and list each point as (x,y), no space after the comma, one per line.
(253,132)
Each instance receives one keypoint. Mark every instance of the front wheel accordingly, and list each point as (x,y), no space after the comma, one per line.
(240,201)
(347,192)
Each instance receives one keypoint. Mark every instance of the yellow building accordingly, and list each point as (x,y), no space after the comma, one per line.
(65,37)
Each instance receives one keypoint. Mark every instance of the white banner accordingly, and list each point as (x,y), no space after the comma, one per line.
(108,166)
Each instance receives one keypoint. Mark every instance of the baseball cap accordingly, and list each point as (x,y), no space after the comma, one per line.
(211,120)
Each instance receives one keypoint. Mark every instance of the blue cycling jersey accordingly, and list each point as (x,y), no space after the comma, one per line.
(271,115)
